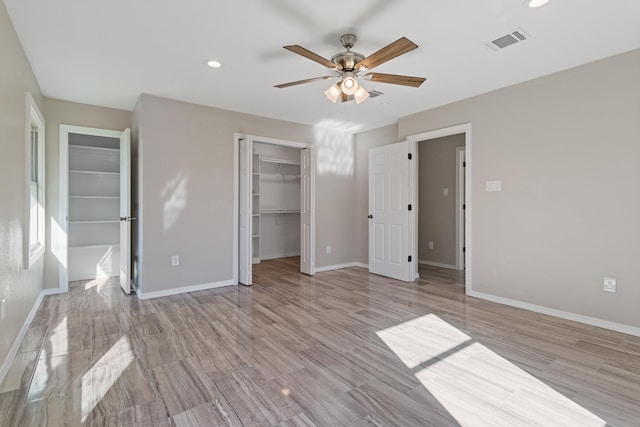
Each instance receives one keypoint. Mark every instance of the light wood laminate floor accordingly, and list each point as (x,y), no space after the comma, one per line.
(341,348)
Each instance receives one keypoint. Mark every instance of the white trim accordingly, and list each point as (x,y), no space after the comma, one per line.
(454,130)
(413,213)
(460,195)
(183,290)
(236,206)
(13,351)
(341,266)
(278,256)
(605,324)
(63,199)
(438,264)
(34,117)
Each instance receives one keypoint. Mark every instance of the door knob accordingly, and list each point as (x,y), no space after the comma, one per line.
(370,217)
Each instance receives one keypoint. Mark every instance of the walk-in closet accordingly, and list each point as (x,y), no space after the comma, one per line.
(275,202)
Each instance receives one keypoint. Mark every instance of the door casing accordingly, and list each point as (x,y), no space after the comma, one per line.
(466,129)
(59,239)
(236,192)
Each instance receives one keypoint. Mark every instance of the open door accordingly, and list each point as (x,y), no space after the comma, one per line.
(245,240)
(307,211)
(389,212)
(125,211)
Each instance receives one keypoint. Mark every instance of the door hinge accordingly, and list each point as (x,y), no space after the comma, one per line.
(464,249)
(409,258)
(409,207)
(409,156)
(464,206)
(464,164)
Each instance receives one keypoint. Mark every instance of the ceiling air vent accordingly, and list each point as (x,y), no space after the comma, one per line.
(374,93)
(516,36)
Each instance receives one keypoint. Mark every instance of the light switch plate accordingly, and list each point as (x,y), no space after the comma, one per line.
(609,284)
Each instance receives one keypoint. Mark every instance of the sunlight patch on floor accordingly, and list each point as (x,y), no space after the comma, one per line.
(476,385)
(104,373)
(98,284)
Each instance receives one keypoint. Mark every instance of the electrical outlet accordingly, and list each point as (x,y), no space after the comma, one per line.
(609,284)
(328,249)
(175,260)
(430,245)
(3,311)
(445,191)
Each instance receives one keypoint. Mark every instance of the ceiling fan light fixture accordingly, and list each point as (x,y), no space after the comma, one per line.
(360,95)
(349,84)
(333,93)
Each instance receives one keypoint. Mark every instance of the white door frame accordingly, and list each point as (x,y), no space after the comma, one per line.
(460,206)
(413,190)
(236,192)
(59,237)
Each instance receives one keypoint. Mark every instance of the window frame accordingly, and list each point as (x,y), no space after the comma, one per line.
(34,120)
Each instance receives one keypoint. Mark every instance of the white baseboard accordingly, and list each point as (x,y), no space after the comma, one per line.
(13,351)
(278,256)
(340,266)
(437,264)
(183,290)
(605,324)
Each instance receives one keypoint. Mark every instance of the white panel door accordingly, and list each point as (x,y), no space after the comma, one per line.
(307,212)
(389,242)
(245,243)
(125,211)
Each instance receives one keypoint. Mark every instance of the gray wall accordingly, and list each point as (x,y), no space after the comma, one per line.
(59,112)
(185,176)
(19,287)
(437,212)
(566,148)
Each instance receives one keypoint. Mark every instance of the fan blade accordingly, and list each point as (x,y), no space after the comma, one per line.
(299,82)
(387,53)
(312,56)
(395,79)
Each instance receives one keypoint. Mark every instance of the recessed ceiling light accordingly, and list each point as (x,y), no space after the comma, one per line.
(537,3)
(214,64)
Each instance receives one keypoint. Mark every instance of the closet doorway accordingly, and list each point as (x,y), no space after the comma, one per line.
(275,203)
(95,230)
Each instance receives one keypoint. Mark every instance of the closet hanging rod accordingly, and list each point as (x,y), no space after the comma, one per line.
(281,161)
(279,211)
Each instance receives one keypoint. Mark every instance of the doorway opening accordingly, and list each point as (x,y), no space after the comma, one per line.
(94,196)
(446,196)
(274,205)
(440,172)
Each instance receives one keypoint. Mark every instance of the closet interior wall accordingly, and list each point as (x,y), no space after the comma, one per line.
(276,201)
(94,202)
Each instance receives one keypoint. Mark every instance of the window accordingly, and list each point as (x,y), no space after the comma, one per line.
(34,242)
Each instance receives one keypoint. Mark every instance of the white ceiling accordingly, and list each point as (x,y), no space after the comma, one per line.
(109,52)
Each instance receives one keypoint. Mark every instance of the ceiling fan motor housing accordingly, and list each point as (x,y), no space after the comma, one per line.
(347,60)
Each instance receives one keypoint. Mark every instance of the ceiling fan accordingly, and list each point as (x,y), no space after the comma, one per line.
(351,65)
